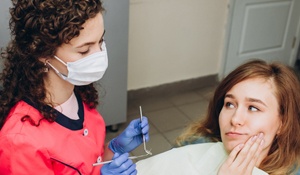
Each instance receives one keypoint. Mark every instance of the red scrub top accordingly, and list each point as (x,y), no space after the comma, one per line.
(63,147)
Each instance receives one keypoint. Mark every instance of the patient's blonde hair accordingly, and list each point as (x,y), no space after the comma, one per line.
(284,153)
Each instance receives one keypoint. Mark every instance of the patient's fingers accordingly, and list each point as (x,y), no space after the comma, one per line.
(248,156)
(249,151)
(253,160)
(243,158)
(227,168)
(233,154)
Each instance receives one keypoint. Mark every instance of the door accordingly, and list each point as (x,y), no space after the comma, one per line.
(264,29)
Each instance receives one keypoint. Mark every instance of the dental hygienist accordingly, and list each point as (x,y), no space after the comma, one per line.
(49,124)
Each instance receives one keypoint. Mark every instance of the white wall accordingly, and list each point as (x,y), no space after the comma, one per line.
(169,40)
(173,40)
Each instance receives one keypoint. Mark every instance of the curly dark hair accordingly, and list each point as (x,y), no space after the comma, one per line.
(38,28)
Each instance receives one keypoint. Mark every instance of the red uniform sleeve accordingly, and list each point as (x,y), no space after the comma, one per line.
(19,155)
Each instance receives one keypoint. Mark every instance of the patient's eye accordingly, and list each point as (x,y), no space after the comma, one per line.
(229,105)
(253,109)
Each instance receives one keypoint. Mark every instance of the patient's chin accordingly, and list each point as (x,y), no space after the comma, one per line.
(231,145)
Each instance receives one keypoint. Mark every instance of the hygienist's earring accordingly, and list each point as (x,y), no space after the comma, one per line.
(46,68)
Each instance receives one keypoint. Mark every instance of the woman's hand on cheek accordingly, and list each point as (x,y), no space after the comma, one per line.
(243,157)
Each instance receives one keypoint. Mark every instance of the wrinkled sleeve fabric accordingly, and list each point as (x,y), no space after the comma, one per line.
(19,155)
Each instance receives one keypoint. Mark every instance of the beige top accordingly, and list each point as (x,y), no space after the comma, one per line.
(196,159)
(69,108)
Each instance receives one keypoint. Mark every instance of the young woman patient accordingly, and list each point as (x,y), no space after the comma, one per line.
(252,124)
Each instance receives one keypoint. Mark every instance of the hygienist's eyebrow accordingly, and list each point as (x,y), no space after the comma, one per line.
(90,43)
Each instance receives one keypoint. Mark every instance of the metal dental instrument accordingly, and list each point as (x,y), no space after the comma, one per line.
(144,140)
(148,152)
(132,157)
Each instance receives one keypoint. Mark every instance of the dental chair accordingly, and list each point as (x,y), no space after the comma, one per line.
(205,140)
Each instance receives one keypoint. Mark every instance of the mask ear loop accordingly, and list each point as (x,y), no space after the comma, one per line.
(47,62)
(60,60)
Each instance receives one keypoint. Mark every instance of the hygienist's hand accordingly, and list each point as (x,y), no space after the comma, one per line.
(120,165)
(131,137)
(243,158)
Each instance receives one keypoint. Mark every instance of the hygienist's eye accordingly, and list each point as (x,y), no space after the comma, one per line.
(253,109)
(85,52)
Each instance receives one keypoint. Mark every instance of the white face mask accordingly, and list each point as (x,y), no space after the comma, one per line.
(86,70)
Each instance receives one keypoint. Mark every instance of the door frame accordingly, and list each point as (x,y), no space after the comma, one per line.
(231,4)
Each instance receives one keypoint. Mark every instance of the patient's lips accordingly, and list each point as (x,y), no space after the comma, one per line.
(233,135)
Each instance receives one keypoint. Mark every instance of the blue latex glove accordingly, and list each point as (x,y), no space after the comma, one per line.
(131,137)
(120,165)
